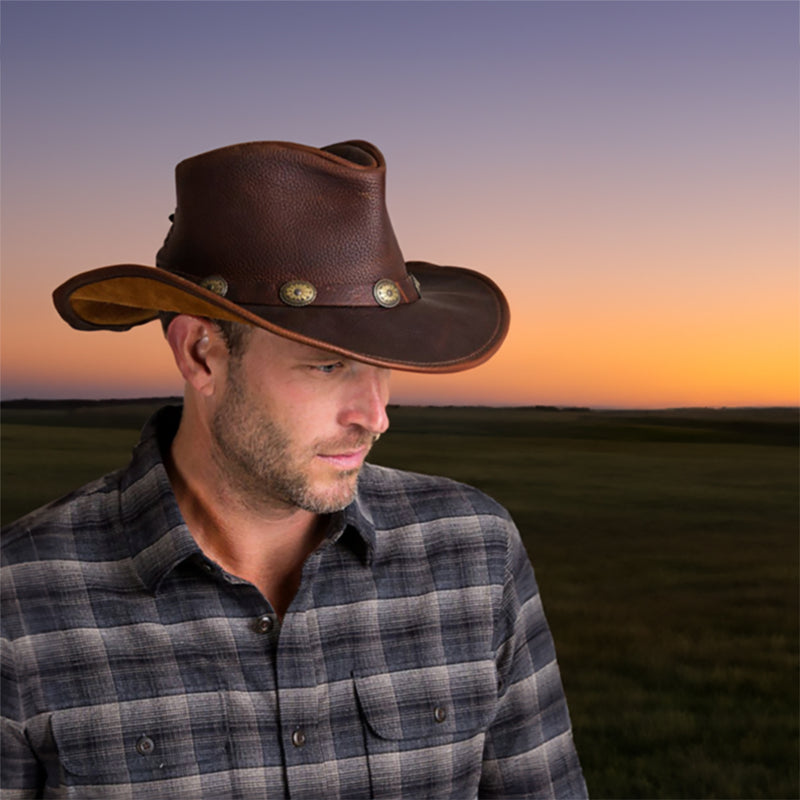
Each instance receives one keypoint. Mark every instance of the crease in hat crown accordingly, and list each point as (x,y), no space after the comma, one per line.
(298,240)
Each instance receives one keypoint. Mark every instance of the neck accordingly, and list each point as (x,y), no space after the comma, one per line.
(267,545)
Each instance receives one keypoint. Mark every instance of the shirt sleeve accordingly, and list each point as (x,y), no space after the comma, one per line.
(529,750)
(20,774)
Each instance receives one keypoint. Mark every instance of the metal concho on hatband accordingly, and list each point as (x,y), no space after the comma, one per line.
(298,293)
(216,284)
(386,293)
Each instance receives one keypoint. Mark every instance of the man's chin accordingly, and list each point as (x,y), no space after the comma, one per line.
(330,499)
(325,505)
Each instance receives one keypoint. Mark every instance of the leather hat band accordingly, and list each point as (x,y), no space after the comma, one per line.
(384,292)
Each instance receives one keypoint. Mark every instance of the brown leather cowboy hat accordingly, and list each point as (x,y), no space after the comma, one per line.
(297,240)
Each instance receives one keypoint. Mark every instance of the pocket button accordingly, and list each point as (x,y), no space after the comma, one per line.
(145,746)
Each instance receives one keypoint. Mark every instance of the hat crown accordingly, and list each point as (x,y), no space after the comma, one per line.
(262,214)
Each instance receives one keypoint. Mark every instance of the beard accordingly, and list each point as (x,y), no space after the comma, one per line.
(266,468)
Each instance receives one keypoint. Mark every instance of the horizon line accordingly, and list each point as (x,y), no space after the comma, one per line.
(10,402)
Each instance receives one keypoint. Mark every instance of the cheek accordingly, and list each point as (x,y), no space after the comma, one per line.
(308,415)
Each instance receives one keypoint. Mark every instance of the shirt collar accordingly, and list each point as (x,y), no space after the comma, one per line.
(357,517)
(158,535)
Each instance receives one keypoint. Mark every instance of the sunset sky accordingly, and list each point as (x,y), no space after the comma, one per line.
(626,171)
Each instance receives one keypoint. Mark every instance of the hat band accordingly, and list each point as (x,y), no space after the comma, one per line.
(299,292)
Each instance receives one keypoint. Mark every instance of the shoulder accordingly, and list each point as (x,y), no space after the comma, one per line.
(433,535)
(393,494)
(449,525)
(85,524)
(48,554)
(50,532)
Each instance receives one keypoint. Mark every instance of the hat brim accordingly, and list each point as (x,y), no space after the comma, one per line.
(459,322)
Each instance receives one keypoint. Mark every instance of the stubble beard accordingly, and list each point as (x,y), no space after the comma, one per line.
(256,457)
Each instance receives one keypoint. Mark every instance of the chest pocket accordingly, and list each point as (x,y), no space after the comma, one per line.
(425,728)
(143,740)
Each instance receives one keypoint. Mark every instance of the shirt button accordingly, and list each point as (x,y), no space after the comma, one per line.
(145,746)
(264,624)
(439,714)
(298,738)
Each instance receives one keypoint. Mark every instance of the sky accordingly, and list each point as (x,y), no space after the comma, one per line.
(627,172)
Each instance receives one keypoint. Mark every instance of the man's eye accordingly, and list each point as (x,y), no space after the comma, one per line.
(328,368)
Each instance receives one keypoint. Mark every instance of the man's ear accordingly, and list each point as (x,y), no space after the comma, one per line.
(199,351)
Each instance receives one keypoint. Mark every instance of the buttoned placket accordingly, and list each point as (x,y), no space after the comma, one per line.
(257,635)
(298,691)
(290,646)
(294,650)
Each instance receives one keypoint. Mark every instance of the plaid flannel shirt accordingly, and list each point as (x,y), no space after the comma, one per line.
(414,662)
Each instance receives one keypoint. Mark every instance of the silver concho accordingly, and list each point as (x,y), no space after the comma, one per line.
(298,293)
(386,293)
(216,284)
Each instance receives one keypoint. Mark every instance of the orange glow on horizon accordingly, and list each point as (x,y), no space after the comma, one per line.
(635,362)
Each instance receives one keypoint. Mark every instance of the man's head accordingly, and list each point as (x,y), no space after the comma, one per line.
(287,425)
(297,241)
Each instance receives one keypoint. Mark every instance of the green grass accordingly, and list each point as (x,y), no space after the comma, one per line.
(41,463)
(666,549)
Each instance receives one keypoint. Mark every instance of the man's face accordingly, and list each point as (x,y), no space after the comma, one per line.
(294,424)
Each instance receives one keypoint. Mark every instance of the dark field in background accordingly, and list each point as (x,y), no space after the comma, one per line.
(666,549)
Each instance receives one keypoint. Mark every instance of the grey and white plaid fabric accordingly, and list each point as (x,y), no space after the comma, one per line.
(415,661)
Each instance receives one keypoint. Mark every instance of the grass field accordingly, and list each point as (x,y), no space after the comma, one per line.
(666,549)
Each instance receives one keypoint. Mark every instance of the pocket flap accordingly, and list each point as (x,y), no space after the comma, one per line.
(429,702)
(161,737)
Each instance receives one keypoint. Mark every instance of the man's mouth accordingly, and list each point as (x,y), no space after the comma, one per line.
(346,460)
(347,455)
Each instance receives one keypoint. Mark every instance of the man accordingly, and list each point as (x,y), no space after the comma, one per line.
(248,610)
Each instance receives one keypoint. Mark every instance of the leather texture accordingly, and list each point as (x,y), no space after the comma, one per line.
(262,216)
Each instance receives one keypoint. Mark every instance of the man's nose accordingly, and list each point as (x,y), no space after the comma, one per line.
(368,399)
